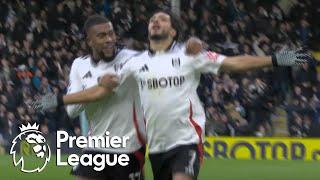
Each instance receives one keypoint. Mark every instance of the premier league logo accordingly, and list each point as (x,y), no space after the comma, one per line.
(34,150)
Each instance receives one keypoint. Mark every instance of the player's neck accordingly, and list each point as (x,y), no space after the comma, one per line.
(160,45)
(96,57)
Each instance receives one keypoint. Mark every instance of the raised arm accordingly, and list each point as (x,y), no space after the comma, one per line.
(285,58)
(243,63)
(212,62)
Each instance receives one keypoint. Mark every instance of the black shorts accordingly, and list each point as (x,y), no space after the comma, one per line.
(182,159)
(133,171)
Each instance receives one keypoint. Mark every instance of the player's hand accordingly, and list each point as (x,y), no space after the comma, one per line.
(291,58)
(193,46)
(108,81)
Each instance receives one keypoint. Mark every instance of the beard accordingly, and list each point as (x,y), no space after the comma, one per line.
(98,55)
(109,57)
(158,37)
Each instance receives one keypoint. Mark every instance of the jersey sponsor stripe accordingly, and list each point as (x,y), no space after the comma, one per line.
(136,125)
(199,133)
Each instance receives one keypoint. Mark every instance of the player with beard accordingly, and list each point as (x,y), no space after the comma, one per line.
(167,79)
(120,114)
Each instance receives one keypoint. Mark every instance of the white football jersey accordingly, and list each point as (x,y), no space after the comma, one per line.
(120,113)
(168,84)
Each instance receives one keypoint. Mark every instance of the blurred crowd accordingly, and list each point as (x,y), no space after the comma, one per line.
(40,39)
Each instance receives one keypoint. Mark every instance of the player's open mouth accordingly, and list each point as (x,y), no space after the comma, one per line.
(155,27)
(109,47)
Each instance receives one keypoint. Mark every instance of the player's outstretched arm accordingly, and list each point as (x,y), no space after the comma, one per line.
(245,62)
(285,58)
(91,94)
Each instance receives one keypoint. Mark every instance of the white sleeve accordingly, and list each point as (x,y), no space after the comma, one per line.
(75,85)
(126,71)
(208,62)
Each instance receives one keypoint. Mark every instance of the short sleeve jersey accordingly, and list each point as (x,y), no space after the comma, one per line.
(168,84)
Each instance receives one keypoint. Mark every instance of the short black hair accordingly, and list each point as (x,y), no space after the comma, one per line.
(175,22)
(92,21)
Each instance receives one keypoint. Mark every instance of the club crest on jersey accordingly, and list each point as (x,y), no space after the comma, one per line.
(176,62)
(212,56)
(144,68)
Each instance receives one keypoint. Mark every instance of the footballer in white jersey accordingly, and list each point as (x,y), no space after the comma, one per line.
(167,80)
(167,84)
(119,114)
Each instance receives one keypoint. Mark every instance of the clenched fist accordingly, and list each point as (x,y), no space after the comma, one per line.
(109,81)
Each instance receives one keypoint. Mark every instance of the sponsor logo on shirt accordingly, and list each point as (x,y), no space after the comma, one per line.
(162,82)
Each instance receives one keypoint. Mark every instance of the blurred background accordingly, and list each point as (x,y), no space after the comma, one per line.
(40,39)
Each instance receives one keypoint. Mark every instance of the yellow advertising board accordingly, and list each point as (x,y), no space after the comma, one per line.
(262,148)
(316,55)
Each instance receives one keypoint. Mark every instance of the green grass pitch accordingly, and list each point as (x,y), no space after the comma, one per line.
(212,169)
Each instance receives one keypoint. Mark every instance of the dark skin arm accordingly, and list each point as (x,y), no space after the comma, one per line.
(92,94)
